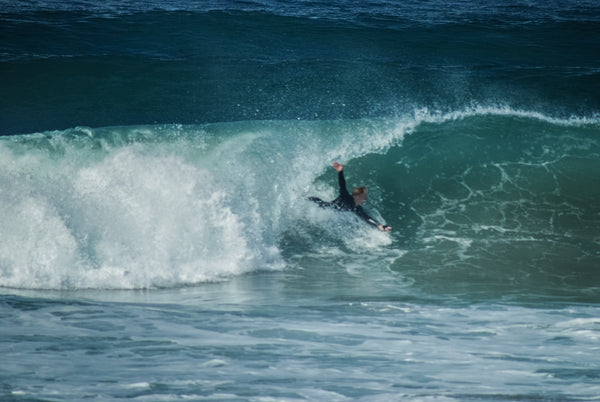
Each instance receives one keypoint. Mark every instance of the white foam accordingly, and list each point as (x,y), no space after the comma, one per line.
(215,363)
(426,116)
(137,385)
(579,322)
(36,248)
(131,220)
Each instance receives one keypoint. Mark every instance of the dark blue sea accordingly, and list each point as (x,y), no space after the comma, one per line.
(156,238)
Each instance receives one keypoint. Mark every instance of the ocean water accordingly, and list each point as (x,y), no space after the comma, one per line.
(157,244)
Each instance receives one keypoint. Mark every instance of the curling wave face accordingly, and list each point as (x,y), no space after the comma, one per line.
(491,197)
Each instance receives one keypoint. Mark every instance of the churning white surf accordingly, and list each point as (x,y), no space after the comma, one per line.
(140,207)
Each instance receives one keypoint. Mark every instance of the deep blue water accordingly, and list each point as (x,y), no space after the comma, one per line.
(156,242)
(112,63)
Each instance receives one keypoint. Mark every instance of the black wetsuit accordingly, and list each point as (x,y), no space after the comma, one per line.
(345,202)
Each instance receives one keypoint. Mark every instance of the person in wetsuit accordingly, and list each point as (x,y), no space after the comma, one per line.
(347,202)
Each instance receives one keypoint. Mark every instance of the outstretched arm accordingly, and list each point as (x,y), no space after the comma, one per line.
(363,215)
(342,181)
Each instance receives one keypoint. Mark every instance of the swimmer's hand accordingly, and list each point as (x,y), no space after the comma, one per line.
(338,166)
(384,228)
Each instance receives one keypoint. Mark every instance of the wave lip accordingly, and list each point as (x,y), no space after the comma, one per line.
(425,115)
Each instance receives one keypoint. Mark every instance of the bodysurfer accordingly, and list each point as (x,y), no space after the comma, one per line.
(347,202)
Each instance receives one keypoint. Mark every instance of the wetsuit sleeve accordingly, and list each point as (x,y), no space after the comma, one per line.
(342,181)
(363,215)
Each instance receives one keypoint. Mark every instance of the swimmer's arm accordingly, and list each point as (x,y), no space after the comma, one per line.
(361,212)
(342,181)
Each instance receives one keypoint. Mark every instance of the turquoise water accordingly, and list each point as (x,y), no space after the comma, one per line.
(156,241)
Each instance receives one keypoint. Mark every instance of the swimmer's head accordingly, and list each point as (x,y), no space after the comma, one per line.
(360,195)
